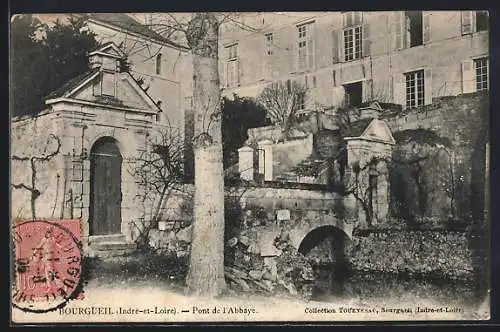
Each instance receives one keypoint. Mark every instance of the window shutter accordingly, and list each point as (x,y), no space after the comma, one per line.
(468,77)
(223,74)
(341,45)
(407,33)
(398,30)
(427,86)
(311,36)
(228,74)
(338,96)
(238,71)
(295,48)
(367,90)
(467,22)
(335,47)
(426,33)
(366,44)
(399,89)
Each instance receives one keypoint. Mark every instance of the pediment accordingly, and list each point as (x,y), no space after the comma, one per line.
(111,90)
(378,130)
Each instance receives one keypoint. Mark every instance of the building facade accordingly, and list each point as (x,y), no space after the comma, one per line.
(348,58)
(156,61)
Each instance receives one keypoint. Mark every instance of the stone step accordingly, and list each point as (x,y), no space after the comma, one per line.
(106,238)
(110,254)
(113,246)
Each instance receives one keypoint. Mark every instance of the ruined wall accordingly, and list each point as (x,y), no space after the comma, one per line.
(449,137)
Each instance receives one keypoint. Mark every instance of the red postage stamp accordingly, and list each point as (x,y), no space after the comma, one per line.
(48,264)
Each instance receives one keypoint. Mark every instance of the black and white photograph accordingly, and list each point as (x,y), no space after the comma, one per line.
(181,167)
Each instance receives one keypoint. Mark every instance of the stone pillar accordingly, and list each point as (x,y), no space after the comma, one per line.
(266,159)
(382,191)
(360,153)
(245,164)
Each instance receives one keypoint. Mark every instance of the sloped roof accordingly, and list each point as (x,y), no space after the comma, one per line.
(106,47)
(127,23)
(71,84)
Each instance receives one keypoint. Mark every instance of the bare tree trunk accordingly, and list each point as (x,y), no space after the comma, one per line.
(206,268)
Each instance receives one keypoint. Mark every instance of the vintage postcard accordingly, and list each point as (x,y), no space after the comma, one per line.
(250,167)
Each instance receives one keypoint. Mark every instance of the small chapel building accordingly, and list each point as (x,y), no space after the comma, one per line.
(73,159)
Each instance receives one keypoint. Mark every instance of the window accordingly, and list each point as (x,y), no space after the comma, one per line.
(232,51)
(473,21)
(305,46)
(482,20)
(269,44)
(352,43)
(158,64)
(353,94)
(352,35)
(414,28)
(232,66)
(415,88)
(481,67)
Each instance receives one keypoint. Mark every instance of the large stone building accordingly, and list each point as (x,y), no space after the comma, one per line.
(406,58)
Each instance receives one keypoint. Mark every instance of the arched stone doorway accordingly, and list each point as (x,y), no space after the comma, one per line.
(105,187)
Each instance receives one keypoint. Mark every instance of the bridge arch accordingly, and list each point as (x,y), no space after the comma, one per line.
(317,235)
(299,232)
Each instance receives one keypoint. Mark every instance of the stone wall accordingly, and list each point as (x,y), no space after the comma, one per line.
(452,134)
(31,138)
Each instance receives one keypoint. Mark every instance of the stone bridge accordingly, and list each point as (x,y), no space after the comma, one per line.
(271,212)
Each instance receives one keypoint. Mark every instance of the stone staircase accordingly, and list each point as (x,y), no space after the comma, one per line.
(108,246)
(307,171)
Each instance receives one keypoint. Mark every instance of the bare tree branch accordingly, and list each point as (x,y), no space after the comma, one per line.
(283,103)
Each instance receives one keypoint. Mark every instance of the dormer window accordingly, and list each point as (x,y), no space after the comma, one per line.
(107,60)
